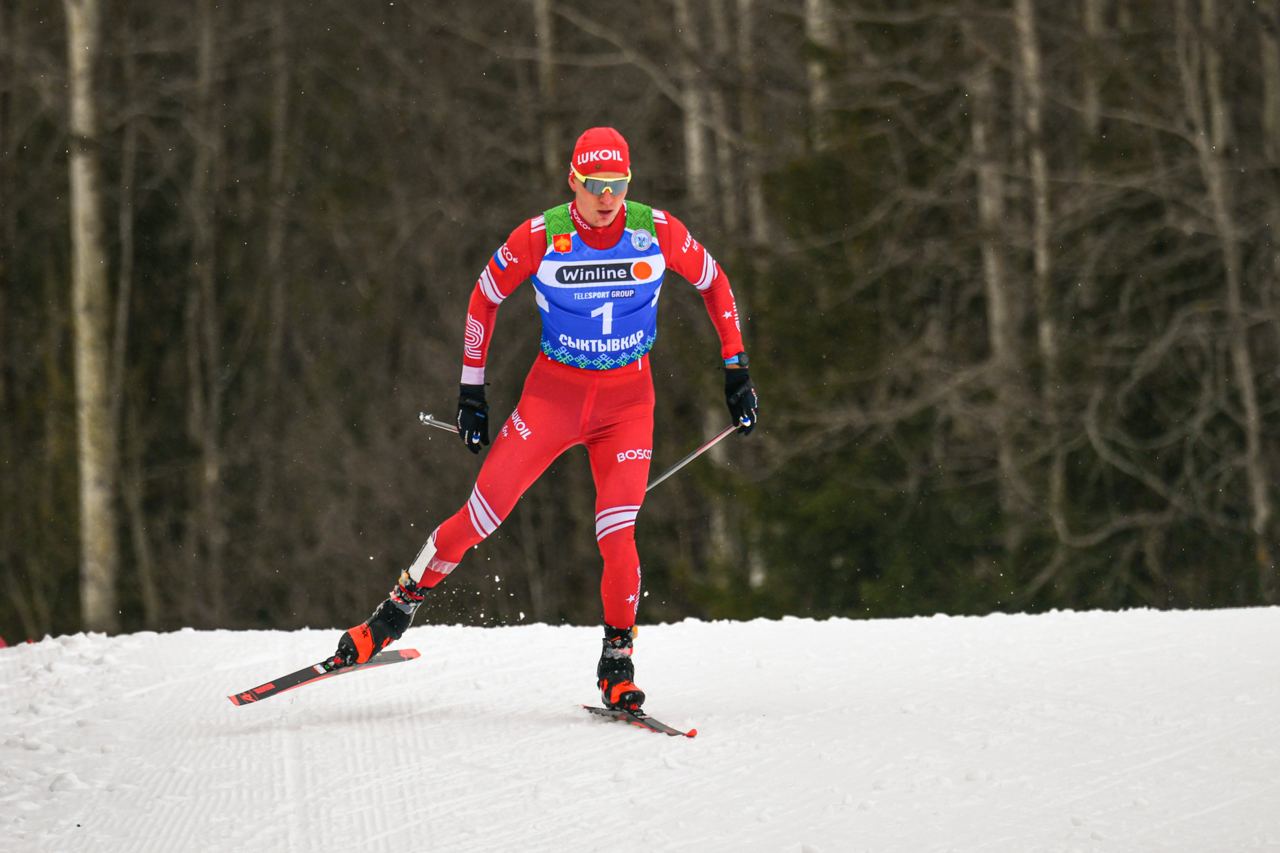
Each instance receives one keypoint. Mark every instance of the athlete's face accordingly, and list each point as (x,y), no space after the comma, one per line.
(598,210)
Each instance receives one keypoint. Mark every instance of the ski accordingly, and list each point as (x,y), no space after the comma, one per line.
(639,718)
(317,672)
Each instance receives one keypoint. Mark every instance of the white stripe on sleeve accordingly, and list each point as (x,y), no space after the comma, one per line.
(489,287)
(708,271)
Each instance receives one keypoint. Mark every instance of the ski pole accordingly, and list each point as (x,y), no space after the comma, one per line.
(427,420)
(710,443)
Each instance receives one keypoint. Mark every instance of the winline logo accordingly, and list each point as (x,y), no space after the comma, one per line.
(595,273)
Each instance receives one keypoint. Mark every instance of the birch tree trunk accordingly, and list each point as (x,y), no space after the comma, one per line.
(1201,72)
(693,104)
(96,440)
(1042,261)
(1000,303)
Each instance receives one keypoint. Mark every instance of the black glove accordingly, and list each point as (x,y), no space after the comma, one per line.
(473,417)
(740,395)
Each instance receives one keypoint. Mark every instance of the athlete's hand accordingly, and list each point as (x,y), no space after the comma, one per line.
(740,395)
(473,417)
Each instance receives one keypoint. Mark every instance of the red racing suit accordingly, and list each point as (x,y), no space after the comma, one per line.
(608,409)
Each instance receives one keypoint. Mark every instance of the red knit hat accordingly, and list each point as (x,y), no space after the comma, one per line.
(601,149)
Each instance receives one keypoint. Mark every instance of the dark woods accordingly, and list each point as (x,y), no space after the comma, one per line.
(1009,271)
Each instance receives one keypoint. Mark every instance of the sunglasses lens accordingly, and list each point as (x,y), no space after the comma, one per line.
(597,186)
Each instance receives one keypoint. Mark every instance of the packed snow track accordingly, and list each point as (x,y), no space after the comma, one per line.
(1066,731)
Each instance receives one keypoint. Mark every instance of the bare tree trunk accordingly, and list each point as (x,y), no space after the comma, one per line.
(124,232)
(130,480)
(1211,125)
(48,499)
(1041,225)
(1269,42)
(1269,34)
(133,489)
(279,202)
(1000,302)
(726,167)
(1093,30)
(752,124)
(757,216)
(1124,16)
(554,147)
(693,103)
(204,349)
(90,303)
(535,568)
(275,395)
(821,33)
(8,245)
(722,552)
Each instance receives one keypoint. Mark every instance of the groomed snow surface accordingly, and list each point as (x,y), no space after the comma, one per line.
(1127,731)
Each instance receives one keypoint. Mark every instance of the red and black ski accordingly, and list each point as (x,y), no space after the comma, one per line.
(317,672)
(639,718)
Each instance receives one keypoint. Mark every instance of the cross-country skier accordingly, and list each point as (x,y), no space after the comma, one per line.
(597,266)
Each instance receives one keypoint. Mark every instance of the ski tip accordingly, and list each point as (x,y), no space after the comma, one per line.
(409,654)
(691,733)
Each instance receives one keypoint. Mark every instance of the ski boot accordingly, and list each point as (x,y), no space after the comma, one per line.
(388,622)
(615,672)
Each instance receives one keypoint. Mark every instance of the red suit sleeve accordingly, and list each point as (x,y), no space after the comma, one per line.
(691,260)
(515,261)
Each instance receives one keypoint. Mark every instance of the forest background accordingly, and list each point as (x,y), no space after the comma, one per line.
(1008,270)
